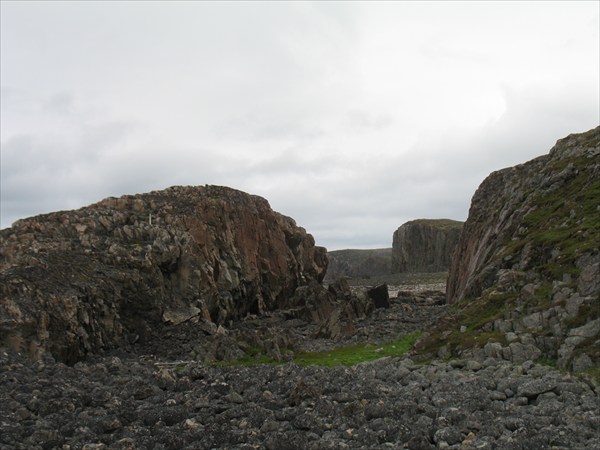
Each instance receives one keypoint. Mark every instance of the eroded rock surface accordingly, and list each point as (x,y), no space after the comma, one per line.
(526,271)
(116,272)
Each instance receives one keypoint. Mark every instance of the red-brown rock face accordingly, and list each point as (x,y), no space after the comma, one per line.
(78,281)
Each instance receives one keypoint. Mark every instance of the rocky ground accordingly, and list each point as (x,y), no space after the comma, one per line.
(136,402)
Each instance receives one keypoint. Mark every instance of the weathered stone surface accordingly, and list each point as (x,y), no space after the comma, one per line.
(425,245)
(510,199)
(528,259)
(73,282)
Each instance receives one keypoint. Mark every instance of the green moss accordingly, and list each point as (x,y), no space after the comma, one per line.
(547,362)
(358,353)
(475,314)
(594,374)
(347,355)
(541,299)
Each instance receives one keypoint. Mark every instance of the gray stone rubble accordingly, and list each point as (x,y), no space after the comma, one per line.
(390,403)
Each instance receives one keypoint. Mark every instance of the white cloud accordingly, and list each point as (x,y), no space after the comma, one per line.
(352,118)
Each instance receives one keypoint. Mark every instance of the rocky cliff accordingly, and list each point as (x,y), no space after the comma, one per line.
(354,263)
(525,277)
(425,245)
(74,282)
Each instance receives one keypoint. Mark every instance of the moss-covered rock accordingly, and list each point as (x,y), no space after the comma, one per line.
(528,261)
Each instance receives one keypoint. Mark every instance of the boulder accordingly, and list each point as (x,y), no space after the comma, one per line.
(380,296)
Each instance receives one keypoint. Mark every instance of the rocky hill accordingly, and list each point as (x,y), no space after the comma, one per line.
(525,279)
(425,245)
(118,271)
(359,263)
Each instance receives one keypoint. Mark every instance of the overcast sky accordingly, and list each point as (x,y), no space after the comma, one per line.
(352,118)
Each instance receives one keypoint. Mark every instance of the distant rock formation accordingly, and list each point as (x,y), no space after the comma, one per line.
(425,245)
(359,263)
(74,282)
(526,272)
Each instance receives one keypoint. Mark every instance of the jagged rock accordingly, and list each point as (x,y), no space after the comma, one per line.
(425,245)
(75,282)
(335,308)
(515,211)
(528,260)
(380,296)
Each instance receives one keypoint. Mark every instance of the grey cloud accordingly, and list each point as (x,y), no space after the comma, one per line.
(302,103)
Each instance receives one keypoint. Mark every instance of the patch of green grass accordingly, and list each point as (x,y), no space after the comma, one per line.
(347,355)
(355,354)
(594,374)
(547,362)
(474,314)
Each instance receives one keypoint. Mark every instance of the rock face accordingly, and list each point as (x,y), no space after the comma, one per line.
(425,245)
(526,273)
(79,281)
(354,263)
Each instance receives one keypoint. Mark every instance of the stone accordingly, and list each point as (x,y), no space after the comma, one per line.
(589,279)
(519,352)
(493,350)
(582,363)
(531,389)
(588,330)
(380,296)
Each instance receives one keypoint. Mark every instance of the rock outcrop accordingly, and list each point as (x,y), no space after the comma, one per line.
(526,273)
(425,245)
(359,263)
(81,281)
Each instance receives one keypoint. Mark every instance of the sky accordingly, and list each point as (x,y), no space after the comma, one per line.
(350,117)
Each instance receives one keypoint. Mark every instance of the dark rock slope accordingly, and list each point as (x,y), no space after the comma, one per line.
(82,281)
(526,273)
(425,245)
